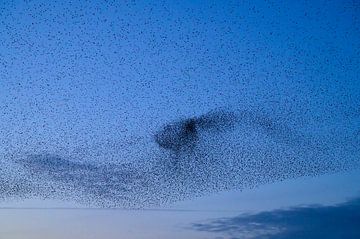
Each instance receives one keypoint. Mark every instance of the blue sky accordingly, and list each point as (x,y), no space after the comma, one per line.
(85,86)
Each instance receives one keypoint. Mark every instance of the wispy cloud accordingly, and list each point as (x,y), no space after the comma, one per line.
(337,221)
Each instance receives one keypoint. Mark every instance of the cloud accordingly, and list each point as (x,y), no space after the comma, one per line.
(338,221)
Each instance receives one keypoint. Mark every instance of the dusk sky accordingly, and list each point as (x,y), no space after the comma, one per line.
(179,119)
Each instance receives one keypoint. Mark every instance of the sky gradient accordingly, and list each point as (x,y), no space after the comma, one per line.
(85,86)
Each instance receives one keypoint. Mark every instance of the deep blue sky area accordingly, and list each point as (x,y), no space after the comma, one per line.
(85,85)
(72,70)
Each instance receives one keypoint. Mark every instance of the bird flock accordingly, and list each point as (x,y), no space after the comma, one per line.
(139,104)
(210,153)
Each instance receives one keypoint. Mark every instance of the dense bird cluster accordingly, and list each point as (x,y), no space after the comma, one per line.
(183,135)
(137,104)
(191,157)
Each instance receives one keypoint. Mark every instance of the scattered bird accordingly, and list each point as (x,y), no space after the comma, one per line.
(75,79)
